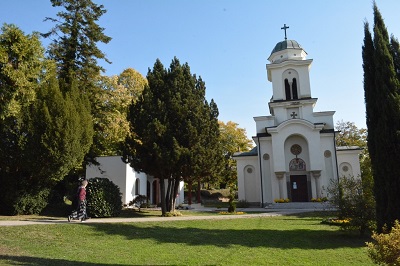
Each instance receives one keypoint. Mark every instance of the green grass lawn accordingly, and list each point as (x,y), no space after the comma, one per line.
(284,240)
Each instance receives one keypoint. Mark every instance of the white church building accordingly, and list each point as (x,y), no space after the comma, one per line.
(295,156)
(130,182)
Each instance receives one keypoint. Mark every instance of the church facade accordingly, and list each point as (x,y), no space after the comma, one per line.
(295,156)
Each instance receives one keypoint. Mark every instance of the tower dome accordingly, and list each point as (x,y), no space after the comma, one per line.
(287,50)
(286,44)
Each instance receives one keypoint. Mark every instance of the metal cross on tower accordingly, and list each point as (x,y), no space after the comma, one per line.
(284,28)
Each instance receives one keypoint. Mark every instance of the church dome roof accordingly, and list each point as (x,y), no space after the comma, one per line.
(286,44)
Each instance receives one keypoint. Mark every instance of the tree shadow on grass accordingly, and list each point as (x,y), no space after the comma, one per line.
(34,261)
(283,239)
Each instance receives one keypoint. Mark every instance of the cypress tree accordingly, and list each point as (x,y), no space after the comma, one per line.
(383,120)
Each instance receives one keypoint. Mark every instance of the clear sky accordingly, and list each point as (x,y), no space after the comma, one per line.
(227,43)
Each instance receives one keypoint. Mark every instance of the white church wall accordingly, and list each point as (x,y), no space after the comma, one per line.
(304,79)
(242,163)
(113,168)
(308,113)
(133,176)
(268,176)
(324,117)
(252,185)
(329,159)
(264,121)
(304,155)
(280,114)
(351,157)
(303,128)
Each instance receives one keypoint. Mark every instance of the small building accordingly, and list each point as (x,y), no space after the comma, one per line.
(295,155)
(130,182)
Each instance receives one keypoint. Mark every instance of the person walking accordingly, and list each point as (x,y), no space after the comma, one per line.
(80,204)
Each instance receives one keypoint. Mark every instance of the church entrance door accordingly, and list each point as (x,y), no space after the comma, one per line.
(298,187)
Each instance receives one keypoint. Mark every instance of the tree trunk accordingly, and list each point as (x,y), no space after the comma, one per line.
(162,191)
(167,196)
(175,193)
(190,183)
(198,191)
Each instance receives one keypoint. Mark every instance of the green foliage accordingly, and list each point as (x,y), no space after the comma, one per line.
(75,50)
(110,115)
(46,136)
(32,202)
(386,248)
(21,64)
(382,100)
(244,241)
(215,193)
(173,130)
(232,204)
(103,198)
(139,201)
(232,139)
(354,199)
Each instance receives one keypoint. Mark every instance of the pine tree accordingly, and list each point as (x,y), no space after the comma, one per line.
(171,126)
(76,53)
(75,50)
(383,120)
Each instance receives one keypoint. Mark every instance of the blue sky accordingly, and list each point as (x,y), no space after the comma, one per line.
(227,43)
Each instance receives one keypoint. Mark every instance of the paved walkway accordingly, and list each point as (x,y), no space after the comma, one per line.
(261,212)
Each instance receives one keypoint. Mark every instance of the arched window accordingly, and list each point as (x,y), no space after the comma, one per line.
(287,90)
(294,89)
(137,186)
(297,164)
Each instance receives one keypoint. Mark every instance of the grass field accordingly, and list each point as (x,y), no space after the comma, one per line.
(282,240)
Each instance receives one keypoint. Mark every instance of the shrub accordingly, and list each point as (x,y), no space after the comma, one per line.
(139,201)
(281,200)
(324,199)
(243,204)
(32,202)
(103,198)
(232,204)
(355,202)
(386,249)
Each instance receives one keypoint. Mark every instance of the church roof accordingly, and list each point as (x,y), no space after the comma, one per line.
(286,44)
(253,152)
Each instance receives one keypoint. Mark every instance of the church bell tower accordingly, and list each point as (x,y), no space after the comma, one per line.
(289,73)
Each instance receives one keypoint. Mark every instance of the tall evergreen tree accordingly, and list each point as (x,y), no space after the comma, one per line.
(75,50)
(381,86)
(40,145)
(76,53)
(167,128)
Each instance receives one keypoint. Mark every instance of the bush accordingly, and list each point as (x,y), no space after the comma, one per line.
(386,249)
(355,202)
(32,202)
(281,200)
(103,198)
(243,204)
(215,193)
(140,201)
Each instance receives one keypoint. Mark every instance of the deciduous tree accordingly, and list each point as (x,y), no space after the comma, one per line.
(233,139)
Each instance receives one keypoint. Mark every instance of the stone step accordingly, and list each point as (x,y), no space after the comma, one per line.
(301,205)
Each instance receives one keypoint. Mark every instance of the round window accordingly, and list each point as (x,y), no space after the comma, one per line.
(295,149)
